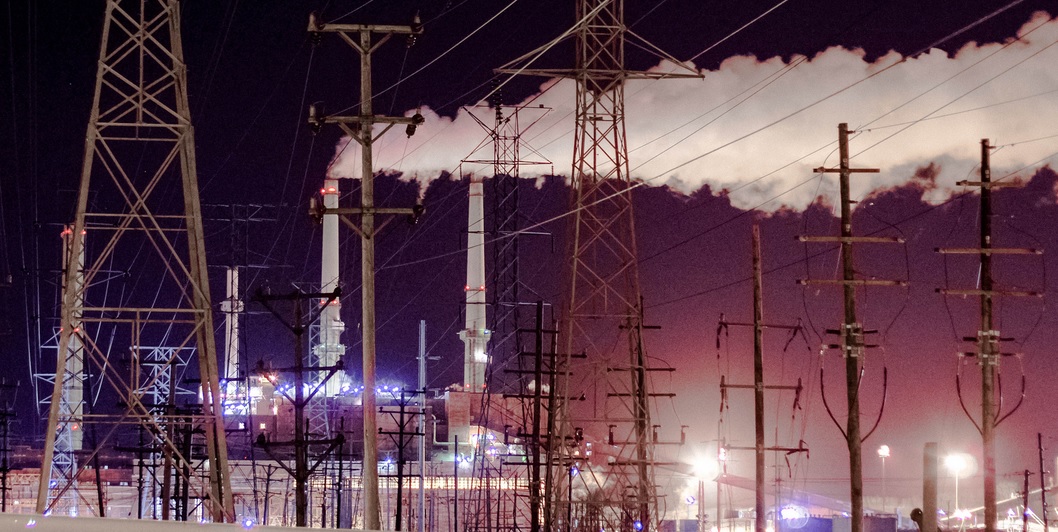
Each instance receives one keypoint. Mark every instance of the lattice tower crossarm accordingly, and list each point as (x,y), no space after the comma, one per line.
(140,115)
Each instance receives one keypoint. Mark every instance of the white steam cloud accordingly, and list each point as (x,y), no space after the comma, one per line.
(688,133)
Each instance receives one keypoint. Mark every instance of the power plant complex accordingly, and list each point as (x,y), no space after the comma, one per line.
(159,409)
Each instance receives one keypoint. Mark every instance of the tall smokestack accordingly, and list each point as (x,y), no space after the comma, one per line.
(475,336)
(329,349)
(232,307)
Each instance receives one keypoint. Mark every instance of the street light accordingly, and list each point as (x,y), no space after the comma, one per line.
(956,464)
(704,469)
(883,453)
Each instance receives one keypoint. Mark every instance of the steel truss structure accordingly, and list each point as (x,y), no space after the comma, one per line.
(604,300)
(138,197)
(502,459)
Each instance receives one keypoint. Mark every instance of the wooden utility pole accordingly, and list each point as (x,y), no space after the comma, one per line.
(301,470)
(361,37)
(852,339)
(988,345)
(1043,482)
(758,378)
(538,387)
(7,413)
(402,416)
(758,387)
(851,332)
(988,338)
(535,485)
(1025,503)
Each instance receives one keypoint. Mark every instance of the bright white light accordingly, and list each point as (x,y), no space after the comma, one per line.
(883,451)
(705,468)
(956,463)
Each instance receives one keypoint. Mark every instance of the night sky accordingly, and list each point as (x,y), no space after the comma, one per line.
(716,153)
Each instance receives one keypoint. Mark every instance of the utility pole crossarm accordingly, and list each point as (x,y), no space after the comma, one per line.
(854,282)
(652,394)
(766,387)
(762,325)
(824,170)
(370,210)
(571,73)
(360,120)
(850,239)
(979,292)
(988,184)
(989,251)
(320,27)
(772,448)
(359,127)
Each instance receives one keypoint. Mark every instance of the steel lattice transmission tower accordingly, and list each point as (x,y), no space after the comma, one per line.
(506,372)
(139,200)
(604,300)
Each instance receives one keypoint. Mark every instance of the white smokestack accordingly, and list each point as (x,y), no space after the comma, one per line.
(329,349)
(475,336)
(232,307)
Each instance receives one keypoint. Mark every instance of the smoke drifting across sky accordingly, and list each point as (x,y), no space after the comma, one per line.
(756,128)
